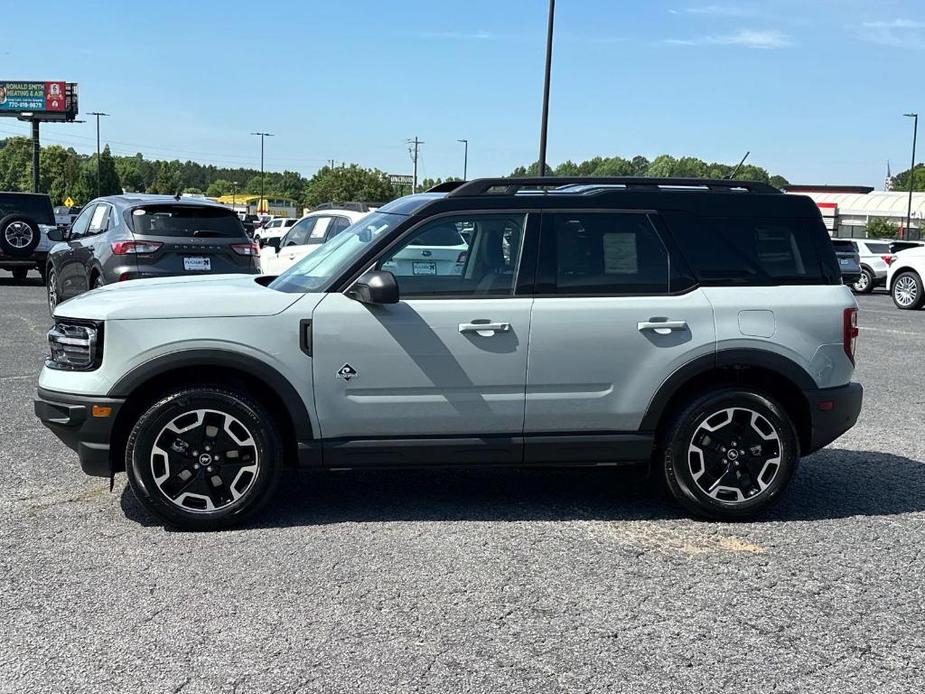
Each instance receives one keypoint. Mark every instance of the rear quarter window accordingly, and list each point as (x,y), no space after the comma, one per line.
(754,251)
(185,221)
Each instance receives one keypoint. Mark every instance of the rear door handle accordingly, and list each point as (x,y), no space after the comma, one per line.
(662,327)
(484,329)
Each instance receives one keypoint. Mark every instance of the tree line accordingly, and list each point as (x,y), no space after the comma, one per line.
(67,173)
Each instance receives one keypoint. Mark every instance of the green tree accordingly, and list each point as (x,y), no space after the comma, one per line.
(168,179)
(16,164)
(109,177)
(881,228)
(131,174)
(901,180)
(348,183)
(219,187)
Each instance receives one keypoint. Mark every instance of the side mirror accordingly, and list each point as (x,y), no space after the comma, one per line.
(57,235)
(375,287)
(273,242)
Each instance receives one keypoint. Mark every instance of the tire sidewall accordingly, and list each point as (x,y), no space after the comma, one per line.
(917,302)
(51,279)
(26,250)
(152,421)
(676,467)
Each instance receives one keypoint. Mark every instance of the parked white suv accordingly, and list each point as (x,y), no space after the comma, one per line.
(700,327)
(273,228)
(304,237)
(904,279)
(876,258)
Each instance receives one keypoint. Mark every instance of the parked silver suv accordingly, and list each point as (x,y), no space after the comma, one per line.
(700,327)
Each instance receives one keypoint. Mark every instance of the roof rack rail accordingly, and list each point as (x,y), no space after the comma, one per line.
(446,187)
(509,186)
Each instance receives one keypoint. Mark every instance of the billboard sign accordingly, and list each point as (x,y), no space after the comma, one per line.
(35,97)
(401,179)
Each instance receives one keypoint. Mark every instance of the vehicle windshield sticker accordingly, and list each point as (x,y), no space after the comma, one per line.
(347,372)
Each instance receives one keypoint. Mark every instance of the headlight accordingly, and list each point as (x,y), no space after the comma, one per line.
(76,346)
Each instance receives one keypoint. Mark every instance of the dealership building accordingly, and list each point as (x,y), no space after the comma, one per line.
(847,209)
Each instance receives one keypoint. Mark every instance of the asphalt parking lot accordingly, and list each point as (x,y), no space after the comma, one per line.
(483,581)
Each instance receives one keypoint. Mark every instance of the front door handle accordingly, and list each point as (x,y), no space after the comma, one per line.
(485,329)
(662,327)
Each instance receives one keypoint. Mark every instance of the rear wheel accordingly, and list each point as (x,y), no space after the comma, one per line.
(204,457)
(865,283)
(907,291)
(729,454)
(19,236)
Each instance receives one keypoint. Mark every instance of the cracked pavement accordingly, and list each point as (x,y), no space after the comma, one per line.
(471,581)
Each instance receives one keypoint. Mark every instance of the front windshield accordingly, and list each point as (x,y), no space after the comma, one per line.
(317,269)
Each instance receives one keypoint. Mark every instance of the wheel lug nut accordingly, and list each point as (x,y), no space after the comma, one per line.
(208,448)
(195,466)
(210,469)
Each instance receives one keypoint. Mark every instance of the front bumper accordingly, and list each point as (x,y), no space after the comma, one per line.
(72,419)
(832,411)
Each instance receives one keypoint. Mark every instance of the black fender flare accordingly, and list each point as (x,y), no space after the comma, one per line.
(770,361)
(125,386)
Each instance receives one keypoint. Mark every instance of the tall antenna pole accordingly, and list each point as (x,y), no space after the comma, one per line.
(413,151)
(545,118)
(262,178)
(98,114)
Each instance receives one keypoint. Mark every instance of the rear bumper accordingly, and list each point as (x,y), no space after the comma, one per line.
(833,411)
(71,418)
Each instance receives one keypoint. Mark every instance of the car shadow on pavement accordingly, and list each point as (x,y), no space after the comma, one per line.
(31,281)
(831,484)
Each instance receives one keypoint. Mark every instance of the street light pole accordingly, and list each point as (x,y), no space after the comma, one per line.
(262,135)
(915,132)
(234,192)
(545,118)
(465,157)
(98,114)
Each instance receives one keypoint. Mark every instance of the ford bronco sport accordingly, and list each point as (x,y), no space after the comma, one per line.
(697,326)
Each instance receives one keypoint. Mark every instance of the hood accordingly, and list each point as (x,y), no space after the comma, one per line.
(203,296)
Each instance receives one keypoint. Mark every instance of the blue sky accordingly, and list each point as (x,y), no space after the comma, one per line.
(814,88)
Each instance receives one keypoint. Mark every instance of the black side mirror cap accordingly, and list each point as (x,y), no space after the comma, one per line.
(375,287)
(57,235)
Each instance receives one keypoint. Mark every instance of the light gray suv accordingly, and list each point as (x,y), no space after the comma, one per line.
(700,327)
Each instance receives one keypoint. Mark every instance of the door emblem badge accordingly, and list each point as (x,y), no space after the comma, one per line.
(347,372)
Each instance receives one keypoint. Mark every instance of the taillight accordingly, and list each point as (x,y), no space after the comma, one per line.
(135,247)
(850,335)
(888,259)
(246,248)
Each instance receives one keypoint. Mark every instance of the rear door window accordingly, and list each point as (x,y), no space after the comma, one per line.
(751,251)
(185,221)
(601,254)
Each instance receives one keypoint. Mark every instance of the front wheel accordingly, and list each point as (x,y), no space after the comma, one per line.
(907,291)
(204,457)
(865,283)
(729,454)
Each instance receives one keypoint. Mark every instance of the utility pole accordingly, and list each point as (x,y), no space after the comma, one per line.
(332,163)
(465,157)
(234,193)
(262,180)
(413,151)
(98,114)
(36,151)
(915,132)
(545,117)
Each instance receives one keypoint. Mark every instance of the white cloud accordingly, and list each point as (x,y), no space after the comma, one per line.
(900,32)
(747,38)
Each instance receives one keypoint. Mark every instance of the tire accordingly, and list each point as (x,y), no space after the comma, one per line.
(19,236)
(97,282)
(907,291)
(711,477)
(20,273)
(865,283)
(174,483)
(51,290)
